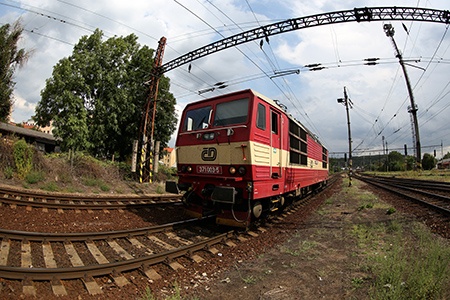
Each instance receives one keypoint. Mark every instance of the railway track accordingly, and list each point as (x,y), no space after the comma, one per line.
(53,257)
(418,191)
(54,261)
(15,198)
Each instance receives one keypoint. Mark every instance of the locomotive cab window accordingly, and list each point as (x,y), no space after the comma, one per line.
(261,117)
(230,113)
(197,119)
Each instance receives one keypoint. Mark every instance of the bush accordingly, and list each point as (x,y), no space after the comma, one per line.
(8,172)
(23,158)
(34,177)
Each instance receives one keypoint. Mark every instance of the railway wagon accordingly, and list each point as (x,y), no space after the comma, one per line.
(241,156)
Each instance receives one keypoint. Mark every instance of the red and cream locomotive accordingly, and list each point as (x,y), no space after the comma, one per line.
(240,156)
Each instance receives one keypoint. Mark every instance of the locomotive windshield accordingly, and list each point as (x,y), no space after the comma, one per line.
(197,119)
(229,113)
(226,113)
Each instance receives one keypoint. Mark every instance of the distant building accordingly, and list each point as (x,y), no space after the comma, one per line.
(30,124)
(169,157)
(444,164)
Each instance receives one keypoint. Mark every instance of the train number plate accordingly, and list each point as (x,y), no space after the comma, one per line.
(209,170)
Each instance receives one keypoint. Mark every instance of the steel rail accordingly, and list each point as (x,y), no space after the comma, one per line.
(389,187)
(110,268)
(55,196)
(85,236)
(93,206)
(84,202)
(430,184)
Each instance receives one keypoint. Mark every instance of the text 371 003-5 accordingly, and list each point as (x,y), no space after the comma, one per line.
(209,169)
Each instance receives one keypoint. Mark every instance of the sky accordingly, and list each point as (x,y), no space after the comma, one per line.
(378,93)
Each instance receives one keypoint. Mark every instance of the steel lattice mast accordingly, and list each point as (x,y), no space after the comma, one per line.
(147,142)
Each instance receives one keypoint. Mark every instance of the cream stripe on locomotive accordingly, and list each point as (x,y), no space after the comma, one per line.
(240,153)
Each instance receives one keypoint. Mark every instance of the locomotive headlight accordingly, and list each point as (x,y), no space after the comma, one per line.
(189,169)
(208,136)
(232,170)
(242,170)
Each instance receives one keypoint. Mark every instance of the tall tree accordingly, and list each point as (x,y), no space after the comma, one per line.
(396,161)
(10,58)
(428,161)
(96,96)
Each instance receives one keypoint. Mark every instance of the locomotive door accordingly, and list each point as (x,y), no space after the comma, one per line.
(275,143)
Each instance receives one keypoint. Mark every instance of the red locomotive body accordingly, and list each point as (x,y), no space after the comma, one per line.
(241,155)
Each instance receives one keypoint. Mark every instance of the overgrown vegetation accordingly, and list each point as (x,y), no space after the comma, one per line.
(416,268)
(21,164)
(23,158)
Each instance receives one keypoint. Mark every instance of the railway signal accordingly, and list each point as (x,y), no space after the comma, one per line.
(347,102)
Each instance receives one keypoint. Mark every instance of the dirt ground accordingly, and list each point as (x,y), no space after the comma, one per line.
(320,258)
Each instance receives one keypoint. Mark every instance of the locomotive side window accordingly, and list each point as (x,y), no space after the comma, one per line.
(298,147)
(324,157)
(197,119)
(274,122)
(261,117)
(229,113)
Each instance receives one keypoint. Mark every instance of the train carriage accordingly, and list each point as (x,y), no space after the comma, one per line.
(240,156)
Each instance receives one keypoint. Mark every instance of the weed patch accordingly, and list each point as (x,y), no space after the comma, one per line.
(416,268)
(34,177)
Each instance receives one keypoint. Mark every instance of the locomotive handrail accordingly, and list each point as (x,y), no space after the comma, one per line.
(212,129)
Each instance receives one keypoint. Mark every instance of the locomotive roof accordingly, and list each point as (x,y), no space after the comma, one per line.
(273,103)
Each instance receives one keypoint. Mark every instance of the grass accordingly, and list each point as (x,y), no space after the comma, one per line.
(413,268)
(34,177)
(419,271)
(438,175)
(95,182)
(404,260)
(50,187)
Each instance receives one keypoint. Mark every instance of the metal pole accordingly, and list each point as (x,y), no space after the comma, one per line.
(350,161)
(389,30)
(346,101)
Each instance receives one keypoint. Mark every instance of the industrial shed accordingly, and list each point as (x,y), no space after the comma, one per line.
(43,141)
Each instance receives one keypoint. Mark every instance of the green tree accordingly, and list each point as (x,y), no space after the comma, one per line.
(410,162)
(446,155)
(10,58)
(96,96)
(428,161)
(396,161)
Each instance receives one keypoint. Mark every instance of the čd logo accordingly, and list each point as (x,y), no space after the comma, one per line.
(209,154)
